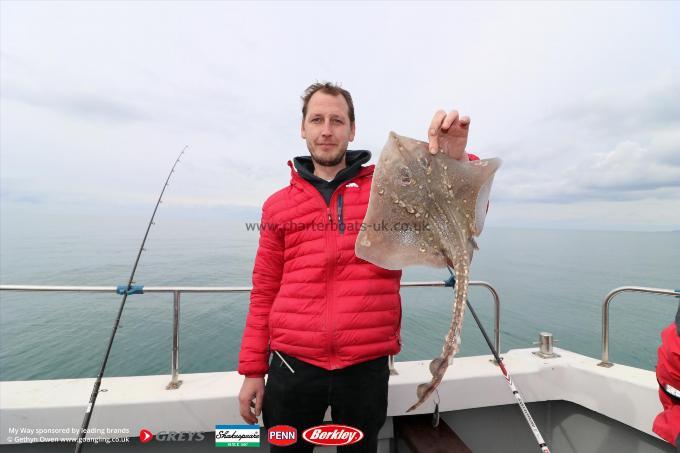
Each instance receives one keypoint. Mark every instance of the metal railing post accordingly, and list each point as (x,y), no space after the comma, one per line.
(605,314)
(175,382)
(497,314)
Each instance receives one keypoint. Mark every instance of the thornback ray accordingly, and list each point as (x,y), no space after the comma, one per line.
(426,209)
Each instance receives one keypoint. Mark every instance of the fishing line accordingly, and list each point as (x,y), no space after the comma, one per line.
(126,290)
(525,411)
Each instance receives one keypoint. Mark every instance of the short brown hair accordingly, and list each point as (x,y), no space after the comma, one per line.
(328,88)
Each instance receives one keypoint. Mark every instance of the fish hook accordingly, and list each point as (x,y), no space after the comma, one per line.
(435,415)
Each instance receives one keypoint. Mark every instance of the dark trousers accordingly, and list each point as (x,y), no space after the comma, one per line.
(357,396)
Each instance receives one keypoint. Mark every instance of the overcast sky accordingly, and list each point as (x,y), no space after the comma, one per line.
(580,100)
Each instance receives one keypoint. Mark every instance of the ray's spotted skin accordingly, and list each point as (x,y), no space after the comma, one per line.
(426,209)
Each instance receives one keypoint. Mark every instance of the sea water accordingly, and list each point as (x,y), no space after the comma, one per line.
(548,280)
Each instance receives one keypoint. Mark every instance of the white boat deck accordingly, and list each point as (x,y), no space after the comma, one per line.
(128,404)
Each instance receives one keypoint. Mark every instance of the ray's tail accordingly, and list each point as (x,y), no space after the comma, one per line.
(439,365)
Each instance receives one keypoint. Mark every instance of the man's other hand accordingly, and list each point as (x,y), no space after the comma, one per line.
(252,389)
(449,132)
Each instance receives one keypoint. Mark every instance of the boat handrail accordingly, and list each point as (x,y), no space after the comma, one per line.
(178,290)
(605,313)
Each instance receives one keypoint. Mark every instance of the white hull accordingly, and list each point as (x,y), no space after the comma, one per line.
(625,394)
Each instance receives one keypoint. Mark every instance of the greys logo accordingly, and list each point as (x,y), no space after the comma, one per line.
(179,436)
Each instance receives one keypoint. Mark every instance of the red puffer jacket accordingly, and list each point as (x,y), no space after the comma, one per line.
(312,297)
(667,423)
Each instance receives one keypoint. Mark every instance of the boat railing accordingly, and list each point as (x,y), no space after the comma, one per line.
(605,313)
(177,292)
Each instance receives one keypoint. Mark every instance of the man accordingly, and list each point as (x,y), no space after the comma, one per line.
(330,318)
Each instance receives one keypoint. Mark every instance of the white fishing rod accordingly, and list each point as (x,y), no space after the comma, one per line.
(128,290)
(525,411)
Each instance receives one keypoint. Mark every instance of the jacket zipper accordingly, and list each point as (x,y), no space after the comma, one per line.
(330,268)
(341,225)
(332,258)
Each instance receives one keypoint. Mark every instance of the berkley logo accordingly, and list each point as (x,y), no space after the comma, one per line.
(332,435)
(282,435)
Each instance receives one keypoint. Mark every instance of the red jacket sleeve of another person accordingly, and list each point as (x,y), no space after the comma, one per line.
(667,423)
(254,355)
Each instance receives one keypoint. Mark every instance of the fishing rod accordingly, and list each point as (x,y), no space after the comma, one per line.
(525,411)
(128,290)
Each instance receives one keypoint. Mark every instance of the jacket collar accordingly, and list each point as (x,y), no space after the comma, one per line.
(302,168)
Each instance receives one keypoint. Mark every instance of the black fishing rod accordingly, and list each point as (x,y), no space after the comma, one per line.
(128,290)
(525,411)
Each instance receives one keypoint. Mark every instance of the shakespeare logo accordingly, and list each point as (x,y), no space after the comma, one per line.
(237,435)
(332,435)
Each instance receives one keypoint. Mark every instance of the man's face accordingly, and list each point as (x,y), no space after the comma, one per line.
(327,128)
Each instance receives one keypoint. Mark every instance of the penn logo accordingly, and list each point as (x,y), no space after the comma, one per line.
(145,436)
(282,435)
(332,435)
